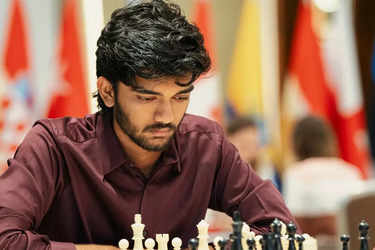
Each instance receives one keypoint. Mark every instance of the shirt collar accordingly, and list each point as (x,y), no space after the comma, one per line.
(115,157)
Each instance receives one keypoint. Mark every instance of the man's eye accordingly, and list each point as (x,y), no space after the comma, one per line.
(181,98)
(146,98)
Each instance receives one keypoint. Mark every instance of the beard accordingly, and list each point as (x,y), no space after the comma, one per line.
(133,133)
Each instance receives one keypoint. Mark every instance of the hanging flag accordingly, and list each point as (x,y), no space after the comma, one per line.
(324,79)
(244,86)
(16,99)
(205,100)
(71,93)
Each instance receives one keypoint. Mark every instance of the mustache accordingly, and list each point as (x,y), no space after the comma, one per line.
(160,126)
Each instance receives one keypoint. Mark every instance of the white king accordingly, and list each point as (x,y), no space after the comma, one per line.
(138,228)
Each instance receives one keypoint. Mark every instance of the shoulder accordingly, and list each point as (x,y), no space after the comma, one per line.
(75,129)
(198,124)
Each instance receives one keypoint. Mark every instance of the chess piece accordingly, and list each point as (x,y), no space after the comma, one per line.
(251,244)
(222,244)
(276,229)
(363,231)
(150,244)
(123,244)
(176,243)
(138,228)
(268,241)
(246,234)
(202,235)
(291,229)
(344,239)
(300,239)
(236,236)
(193,244)
(216,242)
(162,240)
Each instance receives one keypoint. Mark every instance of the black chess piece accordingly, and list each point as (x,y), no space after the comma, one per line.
(276,229)
(268,240)
(300,239)
(193,244)
(222,244)
(363,231)
(237,232)
(345,239)
(251,244)
(291,229)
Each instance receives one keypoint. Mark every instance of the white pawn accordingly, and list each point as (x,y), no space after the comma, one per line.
(162,240)
(149,244)
(216,242)
(202,235)
(123,244)
(138,228)
(176,243)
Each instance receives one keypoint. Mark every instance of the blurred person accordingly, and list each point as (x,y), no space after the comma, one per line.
(316,184)
(245,134)
(76,183)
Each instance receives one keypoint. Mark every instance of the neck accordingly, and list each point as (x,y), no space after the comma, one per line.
(143,159)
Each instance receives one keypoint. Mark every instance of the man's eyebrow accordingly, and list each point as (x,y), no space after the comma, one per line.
(150,92)
(187,90)
(145,91)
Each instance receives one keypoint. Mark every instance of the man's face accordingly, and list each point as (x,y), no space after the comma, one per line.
(150,113)
(247,142)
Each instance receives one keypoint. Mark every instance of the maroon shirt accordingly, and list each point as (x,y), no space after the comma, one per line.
(70,181)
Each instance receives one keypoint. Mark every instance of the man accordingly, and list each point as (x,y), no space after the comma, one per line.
(319,181)
(80,181)
(245,134)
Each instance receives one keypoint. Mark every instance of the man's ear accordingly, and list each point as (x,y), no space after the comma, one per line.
(106,91)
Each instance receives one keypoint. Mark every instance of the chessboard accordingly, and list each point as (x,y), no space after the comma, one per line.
(242,238)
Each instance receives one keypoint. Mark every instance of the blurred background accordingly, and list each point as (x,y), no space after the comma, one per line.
(273,60)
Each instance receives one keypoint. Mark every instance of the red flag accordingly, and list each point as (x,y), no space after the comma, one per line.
(71,96)
(205,99)
(324,80)
(16,98)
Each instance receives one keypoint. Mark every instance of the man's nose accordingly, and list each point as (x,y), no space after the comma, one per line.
(164,113)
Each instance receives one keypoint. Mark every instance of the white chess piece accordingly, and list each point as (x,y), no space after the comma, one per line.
(245,233)
(138,228)
(123,244)
(216,242)
(176,243)
(149,244)
(162,240)
(202,235)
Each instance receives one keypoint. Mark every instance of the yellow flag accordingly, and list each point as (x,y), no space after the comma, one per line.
(244,85)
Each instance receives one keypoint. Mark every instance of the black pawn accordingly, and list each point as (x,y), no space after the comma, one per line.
(345,239)
(276,229)
(222,244)
(300,239)
(291,229)
(251,244)
(363,231)
(193,244)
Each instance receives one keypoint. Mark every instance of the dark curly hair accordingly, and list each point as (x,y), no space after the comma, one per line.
(151,39)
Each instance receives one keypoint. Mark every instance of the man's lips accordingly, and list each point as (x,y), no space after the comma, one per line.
(161,132)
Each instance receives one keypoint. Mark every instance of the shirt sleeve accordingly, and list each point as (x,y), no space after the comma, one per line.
(238,187)
(27,190)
